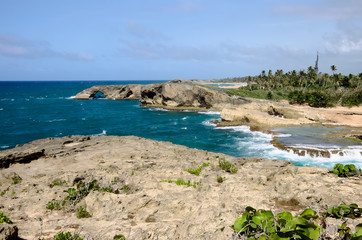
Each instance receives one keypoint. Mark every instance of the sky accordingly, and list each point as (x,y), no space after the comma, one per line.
(169,39)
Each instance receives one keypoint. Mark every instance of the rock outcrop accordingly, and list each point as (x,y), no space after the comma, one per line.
(184,95)
(119,92)
(151,207)
(177,94)
(49,147)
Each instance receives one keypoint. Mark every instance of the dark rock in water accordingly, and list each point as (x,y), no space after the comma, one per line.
(8,232)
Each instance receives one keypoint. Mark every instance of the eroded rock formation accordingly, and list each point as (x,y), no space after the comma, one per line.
(177,95)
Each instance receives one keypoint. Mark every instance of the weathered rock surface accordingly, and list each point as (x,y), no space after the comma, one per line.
(185,95)
(151,208)
(8,232)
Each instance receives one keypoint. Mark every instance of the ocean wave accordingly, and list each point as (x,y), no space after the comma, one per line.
(157,109)
(184,128)
(5,146)
(71,97)
(184,118)
(1,109)
(209,113)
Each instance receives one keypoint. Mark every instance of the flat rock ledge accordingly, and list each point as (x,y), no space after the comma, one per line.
(152,208)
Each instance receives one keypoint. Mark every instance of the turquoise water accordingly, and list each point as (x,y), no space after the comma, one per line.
(34,110)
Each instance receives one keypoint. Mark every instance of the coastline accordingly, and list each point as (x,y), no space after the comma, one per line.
(151,206)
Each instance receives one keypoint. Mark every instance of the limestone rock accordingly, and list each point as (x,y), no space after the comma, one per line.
(184,95)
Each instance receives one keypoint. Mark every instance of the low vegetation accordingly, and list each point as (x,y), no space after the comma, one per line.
(220,179)
(119,237)
(67,236)
(226,165)
(263,224)
(197,171)
(348,170)
(180,181)
(17,180)
(4,218)
(75,195)
(82,212)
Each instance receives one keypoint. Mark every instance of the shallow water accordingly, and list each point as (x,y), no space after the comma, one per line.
(34,110)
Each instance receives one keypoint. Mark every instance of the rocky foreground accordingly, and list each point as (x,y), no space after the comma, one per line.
(146,206)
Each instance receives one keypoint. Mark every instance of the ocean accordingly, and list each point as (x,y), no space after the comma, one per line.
(41,109)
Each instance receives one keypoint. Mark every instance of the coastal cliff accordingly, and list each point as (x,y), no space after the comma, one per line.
(148,205)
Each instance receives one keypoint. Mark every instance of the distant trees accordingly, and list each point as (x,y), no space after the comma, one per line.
(318,90)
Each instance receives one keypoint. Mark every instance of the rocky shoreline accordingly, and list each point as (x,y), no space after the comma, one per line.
(151,207)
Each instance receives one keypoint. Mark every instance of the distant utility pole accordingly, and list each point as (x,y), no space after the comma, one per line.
(316,64)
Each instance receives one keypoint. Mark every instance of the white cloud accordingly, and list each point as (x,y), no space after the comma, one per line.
(15,46)
(140,30)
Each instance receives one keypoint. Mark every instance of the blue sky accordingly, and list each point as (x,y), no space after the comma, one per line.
(168,39)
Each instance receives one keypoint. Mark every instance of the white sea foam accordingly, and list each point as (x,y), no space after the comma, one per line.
(71,97)
(184,118)
(184,128)
(157,109)
(5,146)
(254,143)
(208,123)
(57,120)
(1,109)
(83,119)
(210,113)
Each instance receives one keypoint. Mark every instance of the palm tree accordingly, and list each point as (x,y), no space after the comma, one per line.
(333,68)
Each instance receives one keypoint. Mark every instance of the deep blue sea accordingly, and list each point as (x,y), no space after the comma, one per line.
(34,110)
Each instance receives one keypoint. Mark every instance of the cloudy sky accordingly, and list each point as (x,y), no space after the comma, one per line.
(167,39)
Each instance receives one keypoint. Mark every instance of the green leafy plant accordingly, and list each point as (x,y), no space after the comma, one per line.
(67,236)
(197,171)
(348,170)
(4,218)
(343,210)
(3,192)
(358,234)
(82,212)
(119,237)
(265,225)
(226,165)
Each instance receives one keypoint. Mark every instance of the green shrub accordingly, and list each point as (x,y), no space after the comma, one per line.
(53,205)
(67,236)
(226,166)
(220,179)
(82,212)
(4,218)
(352,99)
(343,210)
(349,170)
(17,180)
(119,237)
(197,171)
